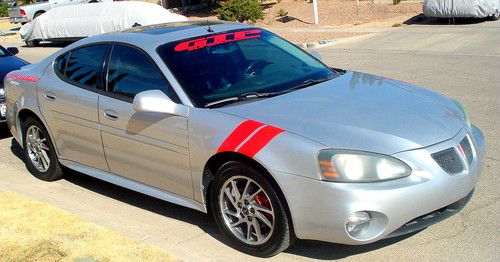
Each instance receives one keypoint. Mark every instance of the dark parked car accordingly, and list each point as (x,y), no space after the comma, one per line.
(8,62)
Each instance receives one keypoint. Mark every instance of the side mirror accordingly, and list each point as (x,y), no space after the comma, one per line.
(156,101)
(315,54)
(13,50)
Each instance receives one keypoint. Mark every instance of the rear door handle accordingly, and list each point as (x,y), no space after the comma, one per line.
(50,96)
(111,115)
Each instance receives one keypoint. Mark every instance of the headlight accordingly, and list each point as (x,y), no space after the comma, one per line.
(461,108)
(357,166)
(2,92)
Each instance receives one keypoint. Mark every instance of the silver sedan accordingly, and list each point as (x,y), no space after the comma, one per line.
(235,120)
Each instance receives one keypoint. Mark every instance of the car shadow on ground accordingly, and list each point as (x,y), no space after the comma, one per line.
(421,19)
(4,131)
(304,248)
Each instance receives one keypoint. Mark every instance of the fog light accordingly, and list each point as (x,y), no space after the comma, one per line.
(358,223)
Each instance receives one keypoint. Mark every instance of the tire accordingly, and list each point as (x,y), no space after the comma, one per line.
(47,167)
(248,212)
(32,43)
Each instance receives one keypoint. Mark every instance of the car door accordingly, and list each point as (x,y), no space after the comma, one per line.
(68,98)
(150,148)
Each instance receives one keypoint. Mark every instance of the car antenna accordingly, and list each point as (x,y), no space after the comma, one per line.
(209,29)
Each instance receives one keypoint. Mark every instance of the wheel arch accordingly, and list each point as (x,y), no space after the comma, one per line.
(38,13)
(218,160)
(22,115)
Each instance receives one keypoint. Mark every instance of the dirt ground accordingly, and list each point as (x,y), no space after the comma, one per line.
(332,13)
(5,24)
(34,231)
(336,13)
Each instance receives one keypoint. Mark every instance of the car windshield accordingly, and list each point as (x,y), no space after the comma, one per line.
(253,63)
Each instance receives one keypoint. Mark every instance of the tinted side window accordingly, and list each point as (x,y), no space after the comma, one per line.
(61,63)
(131,72)
(84,65)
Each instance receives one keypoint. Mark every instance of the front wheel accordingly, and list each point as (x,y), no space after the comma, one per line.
(40,156)
(248,211)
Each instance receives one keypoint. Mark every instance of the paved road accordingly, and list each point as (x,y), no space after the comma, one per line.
(462,62)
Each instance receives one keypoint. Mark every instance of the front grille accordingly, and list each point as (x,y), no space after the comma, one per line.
(466,147)
(449,160)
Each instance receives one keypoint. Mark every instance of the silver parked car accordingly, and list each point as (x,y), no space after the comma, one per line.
(233,119)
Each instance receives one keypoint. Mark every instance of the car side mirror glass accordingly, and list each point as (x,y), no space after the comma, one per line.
(315,54)
(156,101)
(13,50)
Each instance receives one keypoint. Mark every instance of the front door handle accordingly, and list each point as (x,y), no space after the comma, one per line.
(50,96)
(111,115)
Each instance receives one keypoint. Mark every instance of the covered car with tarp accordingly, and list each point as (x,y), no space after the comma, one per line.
(71,23)
(462,8)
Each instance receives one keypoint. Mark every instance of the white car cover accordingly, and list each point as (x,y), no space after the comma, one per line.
(462,8)
(78,21)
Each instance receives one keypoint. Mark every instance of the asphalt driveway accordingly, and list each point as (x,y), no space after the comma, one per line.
(461,61)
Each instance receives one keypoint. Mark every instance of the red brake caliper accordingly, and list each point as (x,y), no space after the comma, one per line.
(262,200)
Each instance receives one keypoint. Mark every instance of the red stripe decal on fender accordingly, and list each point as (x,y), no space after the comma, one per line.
(259,140)
(239,135)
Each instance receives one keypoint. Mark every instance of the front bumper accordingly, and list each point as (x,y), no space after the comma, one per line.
(319,209)
(22,19)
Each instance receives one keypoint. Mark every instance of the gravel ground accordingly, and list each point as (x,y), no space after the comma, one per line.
(336,13)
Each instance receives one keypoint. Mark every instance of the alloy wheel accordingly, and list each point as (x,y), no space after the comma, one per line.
(38,151)
(247,210)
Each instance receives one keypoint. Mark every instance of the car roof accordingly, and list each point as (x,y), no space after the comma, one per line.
(151,36)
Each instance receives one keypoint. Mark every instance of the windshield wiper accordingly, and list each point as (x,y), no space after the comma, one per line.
(242,97)
(307,83)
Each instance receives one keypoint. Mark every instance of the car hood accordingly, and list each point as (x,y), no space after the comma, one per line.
(8,64)
(360,112)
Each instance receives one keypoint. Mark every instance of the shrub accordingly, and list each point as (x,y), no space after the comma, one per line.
(3,9)
(396,2)
(281,12)
(240,10)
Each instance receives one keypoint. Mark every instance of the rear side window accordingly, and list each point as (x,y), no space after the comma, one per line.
(131,72)
(61,64)
(84,65)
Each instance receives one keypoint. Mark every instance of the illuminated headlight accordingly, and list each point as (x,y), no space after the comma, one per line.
(356,166)
(461,108)
(2,92)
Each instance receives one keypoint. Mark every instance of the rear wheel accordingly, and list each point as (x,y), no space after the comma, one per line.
(248,211)
(40,156)
(32,43)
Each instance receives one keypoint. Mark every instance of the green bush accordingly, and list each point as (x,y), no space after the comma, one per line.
(396,2)
(240,10)
(3,9)
(281,12)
